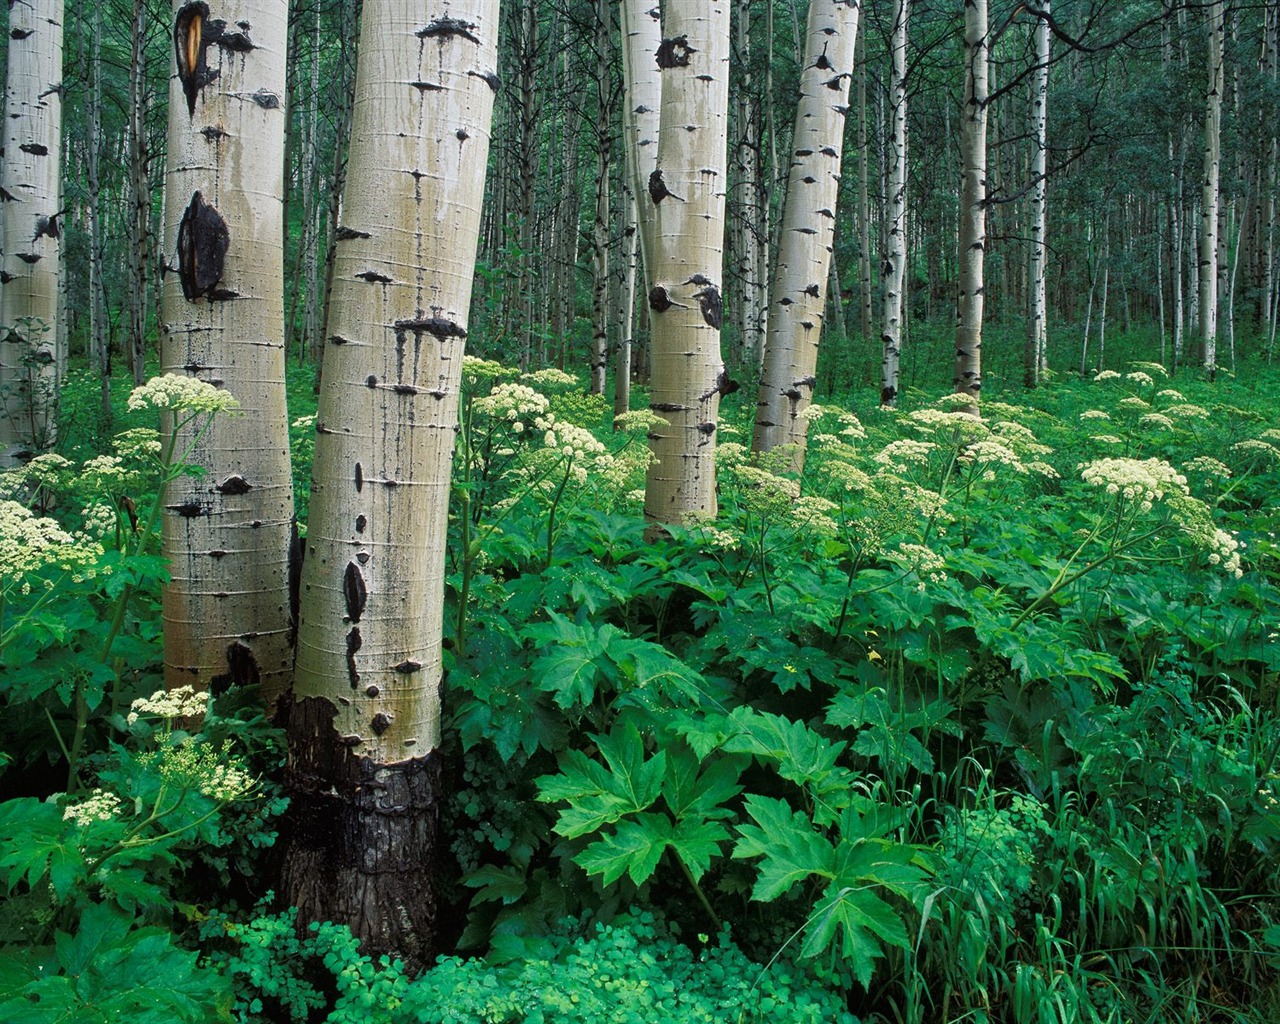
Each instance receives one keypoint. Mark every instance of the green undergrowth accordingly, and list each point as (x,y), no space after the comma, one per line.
(971,720)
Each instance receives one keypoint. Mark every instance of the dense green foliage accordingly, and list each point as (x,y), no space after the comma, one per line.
(976,720)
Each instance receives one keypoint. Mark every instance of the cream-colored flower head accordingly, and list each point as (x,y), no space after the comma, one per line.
(179,392)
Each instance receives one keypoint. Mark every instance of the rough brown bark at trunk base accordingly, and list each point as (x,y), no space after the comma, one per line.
(361,837)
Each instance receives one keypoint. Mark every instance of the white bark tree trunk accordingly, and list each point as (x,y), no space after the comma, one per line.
(686,199)
(227,532)
(797,295)
(32,231)
(365,724)
(894,265)
(973,202)
(642,107)
(1035,360)
(1211,191)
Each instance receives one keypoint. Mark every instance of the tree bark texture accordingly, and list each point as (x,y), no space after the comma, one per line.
(32,235)
(1035,354)
(686,199)
(797,295)
(973,202)
(227,532)
(365,723)
(894,265)
(1210,194)
(642,107)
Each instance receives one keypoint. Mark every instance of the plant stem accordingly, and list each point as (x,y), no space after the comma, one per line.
(697,891)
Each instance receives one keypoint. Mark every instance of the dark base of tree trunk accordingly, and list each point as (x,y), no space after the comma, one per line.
(361,838)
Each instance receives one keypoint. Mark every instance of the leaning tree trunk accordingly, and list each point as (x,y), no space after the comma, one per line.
(797,295)
(227,531)
(1034,356)
(364,727)
(1211,192)
(894,266)
(687,203)
(973,203)
(32,231)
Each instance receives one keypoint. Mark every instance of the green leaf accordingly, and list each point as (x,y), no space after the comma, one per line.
(690,793)
(507,884)
(634,849)
(696,843)
(791,849)
(598,796)
(859,917)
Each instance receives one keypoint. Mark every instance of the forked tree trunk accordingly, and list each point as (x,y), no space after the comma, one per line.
(227,532)
(32,231)
(686,199)
(894,265)
(364,726)
(1035,354)
(797,294)
(973,203)
(1211,191)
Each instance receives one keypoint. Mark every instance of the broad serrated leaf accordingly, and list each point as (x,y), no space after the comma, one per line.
(495,883)
(689,792)
(786,839)
(697,843)
(633,778)
(864,923)
(634,849)
(597,795)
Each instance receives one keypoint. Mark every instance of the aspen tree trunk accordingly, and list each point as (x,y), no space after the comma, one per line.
(600,227)
(99,338)
(364,769)
(227,532)
(627,310)
(687,201)
(865,263)
(529,111)
(893,266)
(139,197)
(1035,355)
(973,203)
(1211,192)
(33,222)
(797,294)
(642,104)
(1267,226)
(751,199)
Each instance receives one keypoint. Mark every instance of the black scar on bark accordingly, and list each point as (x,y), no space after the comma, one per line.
(807,382)
(724,386)
(362,838)
(828,151)
(812,290)
(193,34)
(444,28)
(203,240)
(371,381)
(7,197)
(408,667)
(354,643)
(668,406)
(674,53)
(438,326)
(373,277)
(427,87)
(361,523)
(888,395)
(804,152)
(707,428)
(363,557)
(242,670)
(337,339)
(359,478)
(490,78)
(712,306)
(213,132)
(266,100)
(658,190)
(34,148)
(234,485)
(344,233)
(354,591)
(19,33)
(659,301)
(823,63)
(381,723)
(48,226)
(371,690)
(5,278)
(29,257)
(188,509)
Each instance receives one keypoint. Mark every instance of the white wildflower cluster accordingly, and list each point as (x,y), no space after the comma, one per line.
(179,392)
(1139,377)
(30,543)
(1187,411)
(1043,469)
(846,476)
(47,470)
(201,766)
(767,495)
(1272,435)
(183,702)
(100,805)
(512,404)
(639,421)
(1133,404)
(138,443)
(1171,395)
(1155,421)
(1206,465)
(106,474)
(1020,438)
(925,563)
(731,454)
(904,453)
(1151,369)
(478,373)
(1095,414)
(815,515)
(1104,375)
(1144,481)
(572,441)
(953,425)
(992,453)
(304,422)
(1108,439)
(550,379)
(1254,448)
(1224,551)
(98,521)
(711,535)
(848,425)
(956,401)
(1195,520)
